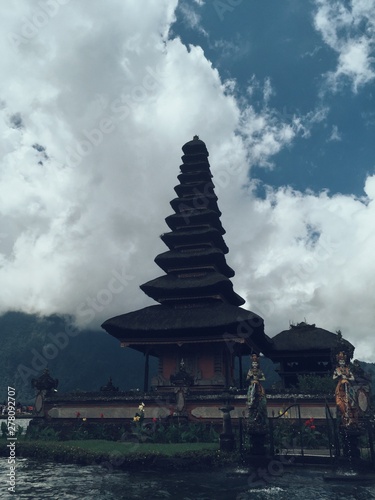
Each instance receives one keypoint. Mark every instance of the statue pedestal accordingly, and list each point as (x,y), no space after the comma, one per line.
(350,437)
(227,442)
(257,442)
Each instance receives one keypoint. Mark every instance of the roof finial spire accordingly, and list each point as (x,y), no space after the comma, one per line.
(196,138)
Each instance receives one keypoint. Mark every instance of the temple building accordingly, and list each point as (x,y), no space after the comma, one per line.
(198,328)
(306,350)
(198,332)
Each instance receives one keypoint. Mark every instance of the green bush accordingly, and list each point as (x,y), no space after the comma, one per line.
(174,432)
(78,429)
(312,384)
(153,432)
(4,430)
(183,433)
(284,434)
(42,434)
(287,434)
(76,453)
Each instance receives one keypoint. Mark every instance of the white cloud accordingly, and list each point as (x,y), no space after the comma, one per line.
(335,134)
(307,256)
(234,49)
(268,90)
(112,100)
(266,131)
(350,32)
(191,17)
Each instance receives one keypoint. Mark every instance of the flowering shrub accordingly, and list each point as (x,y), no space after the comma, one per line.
(312,438)
(160,430)
(287,434)
(310,423)
(140,430)
(140,415)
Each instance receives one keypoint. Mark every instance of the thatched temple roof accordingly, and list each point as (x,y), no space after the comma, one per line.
(304,337)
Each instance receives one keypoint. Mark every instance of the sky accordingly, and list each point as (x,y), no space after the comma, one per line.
(97,99)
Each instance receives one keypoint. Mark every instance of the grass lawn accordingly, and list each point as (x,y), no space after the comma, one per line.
(124,455)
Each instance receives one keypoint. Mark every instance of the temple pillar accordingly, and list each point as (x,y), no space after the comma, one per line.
(240,371)
(146,373)
(227,442)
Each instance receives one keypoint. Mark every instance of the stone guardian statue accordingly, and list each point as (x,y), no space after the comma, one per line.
(256,396)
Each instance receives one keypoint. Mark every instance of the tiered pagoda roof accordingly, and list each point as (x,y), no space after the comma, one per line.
(197,302)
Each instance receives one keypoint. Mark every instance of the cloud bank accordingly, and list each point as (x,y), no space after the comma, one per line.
(349,29)
(96,102)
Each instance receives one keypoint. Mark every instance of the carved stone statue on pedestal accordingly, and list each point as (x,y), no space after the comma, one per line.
(256,397)
(345,393)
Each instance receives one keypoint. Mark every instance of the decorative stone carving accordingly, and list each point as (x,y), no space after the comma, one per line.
(45,382)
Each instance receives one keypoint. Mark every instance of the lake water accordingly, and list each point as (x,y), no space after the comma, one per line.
(48,480)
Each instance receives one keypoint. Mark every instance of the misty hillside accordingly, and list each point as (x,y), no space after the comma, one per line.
(84,361)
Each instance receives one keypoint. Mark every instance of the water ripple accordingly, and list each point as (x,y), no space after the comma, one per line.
(36,479)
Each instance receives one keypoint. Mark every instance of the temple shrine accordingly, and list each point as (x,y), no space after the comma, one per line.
(198,332)
(306,349)
(198,328)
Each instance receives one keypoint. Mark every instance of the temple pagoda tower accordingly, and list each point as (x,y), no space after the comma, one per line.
(198,328)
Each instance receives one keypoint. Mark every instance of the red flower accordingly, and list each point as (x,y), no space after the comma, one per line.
(78,414)
(312,427)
